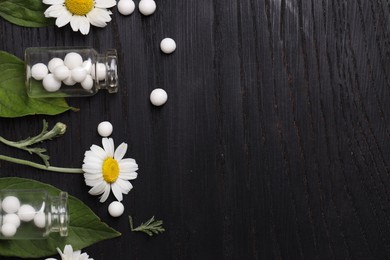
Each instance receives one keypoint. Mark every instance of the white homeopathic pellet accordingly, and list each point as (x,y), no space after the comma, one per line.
(26,213)
(10,204)
(54,63)
(147,7)
(73,60)
(116,209)
(12,218)
(126,7)
(50,83)
(79,74)
(39,71)
(40,219)
(168,45)
(105,129)
(8,229)
(87,83)
(61,72)
(158,97)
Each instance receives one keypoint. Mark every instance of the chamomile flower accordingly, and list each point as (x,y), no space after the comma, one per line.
(106,170)
(69,254)
(80,13)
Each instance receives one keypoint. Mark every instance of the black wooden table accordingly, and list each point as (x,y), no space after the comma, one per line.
(274,142)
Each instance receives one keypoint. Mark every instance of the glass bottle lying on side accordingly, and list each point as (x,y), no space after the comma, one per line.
(32,214)
(70,71)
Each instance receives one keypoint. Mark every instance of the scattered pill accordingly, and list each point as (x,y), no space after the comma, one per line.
(54,63)
(39,71)
(61,72)
(105,129)
(26,213)
(11,218)
(10,204)
(87,83)
(50,83)
(126,7)
(116,209)
(40,219)
(79,74)
(158,97)
(73,60)
(8,229)
(168,45)
(147,7)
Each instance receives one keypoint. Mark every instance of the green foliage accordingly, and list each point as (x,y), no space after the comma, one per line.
(150,227)
(27,13)
(85,228)
(14,101)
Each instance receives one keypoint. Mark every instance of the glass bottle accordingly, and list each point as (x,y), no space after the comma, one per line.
(32,214)
(69,71)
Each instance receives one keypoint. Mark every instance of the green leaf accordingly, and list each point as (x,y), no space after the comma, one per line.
(28,13)
(85,228)
(14,101)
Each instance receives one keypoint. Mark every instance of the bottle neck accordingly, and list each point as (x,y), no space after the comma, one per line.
(58,214)
(110,71)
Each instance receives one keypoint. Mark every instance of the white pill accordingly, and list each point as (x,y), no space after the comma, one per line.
(87,83)
(11,218)
(101,71)
(40,219)
(168,45)
(8,229)
(105,129)
(50,83)
(26,213)
(116,209)
(39,71)
(54,63)
(73,60)
(147,7)
(158,97)
(61,72)
(87,65)
(126,7)
(69,81)
(10,204)
(79,74)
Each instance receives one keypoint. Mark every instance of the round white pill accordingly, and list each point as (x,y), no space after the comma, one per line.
(158,97)
(87,65)
(11,218)
(147,7)
(73,60)
(39,71)
(69,81)
(168,45)
(50,83)
(126,7)
(105,129)
(8,229)
(79,74)
(40,219)
(54,63)
(61,72)
(26,213)
(87,83)
(10,204)
(116,209)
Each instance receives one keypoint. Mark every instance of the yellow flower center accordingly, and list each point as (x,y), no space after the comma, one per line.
(110,170)
(79,7)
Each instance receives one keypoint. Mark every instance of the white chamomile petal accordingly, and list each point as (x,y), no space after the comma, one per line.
(93,182)
(128,175)
(120,151)
(84,26)
(53,2)
(63,19)
(55,10)
(75,22)
(99,152)
(83,256)
(105,3)
(99,17)
(68,251)
(117,191)
(104,197)
(98,189)
(108,146)
(124,186)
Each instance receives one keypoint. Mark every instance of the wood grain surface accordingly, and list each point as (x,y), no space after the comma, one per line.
(274,142)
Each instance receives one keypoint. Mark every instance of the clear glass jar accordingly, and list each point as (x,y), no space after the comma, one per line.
(32,214)
(69,71)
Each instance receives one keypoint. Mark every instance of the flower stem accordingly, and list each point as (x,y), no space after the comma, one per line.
(40,166)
